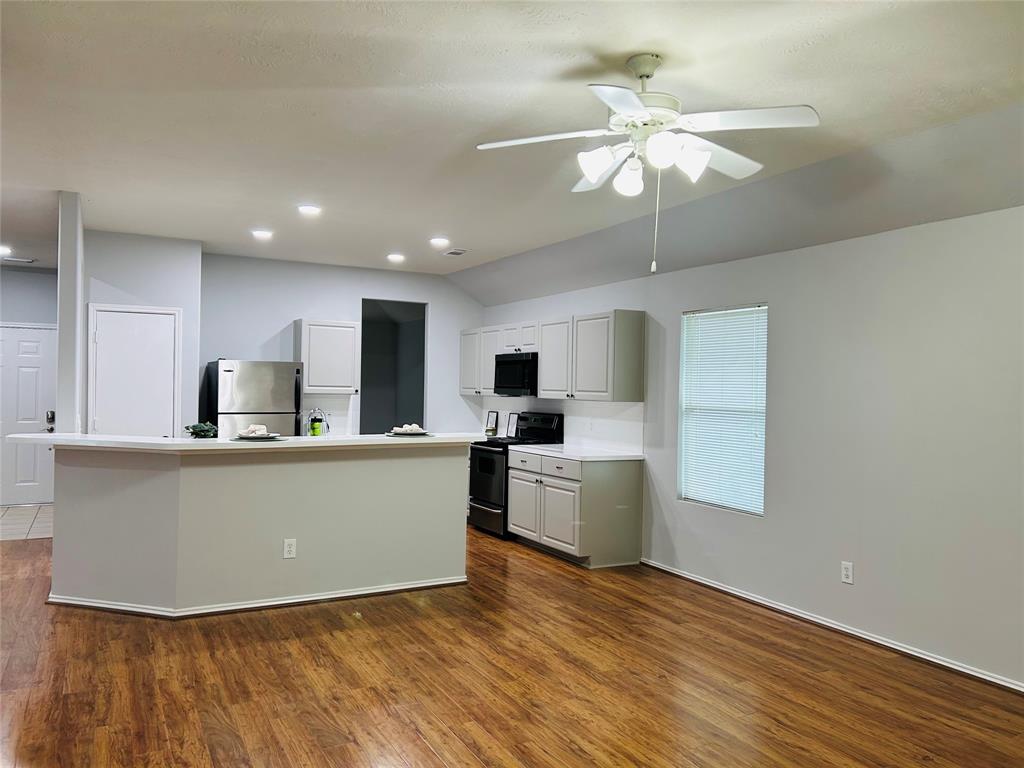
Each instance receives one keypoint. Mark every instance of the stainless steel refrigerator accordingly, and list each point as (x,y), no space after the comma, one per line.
(244,392)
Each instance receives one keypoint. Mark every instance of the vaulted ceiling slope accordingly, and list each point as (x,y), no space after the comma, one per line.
(204,120)
(969,166)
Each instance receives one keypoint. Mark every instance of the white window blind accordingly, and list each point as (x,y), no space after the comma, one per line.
(722,365)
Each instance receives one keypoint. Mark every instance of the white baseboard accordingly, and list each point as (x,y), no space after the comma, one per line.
(991,677)
(175,613)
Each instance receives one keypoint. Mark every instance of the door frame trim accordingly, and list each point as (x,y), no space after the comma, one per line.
(94,310)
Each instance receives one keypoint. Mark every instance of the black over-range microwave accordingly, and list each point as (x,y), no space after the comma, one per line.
(515,375)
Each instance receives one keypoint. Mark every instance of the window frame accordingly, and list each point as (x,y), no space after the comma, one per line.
(679,416)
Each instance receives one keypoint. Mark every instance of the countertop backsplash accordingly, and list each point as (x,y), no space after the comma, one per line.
(615,426)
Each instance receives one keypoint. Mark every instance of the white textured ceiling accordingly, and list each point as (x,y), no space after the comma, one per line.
(203,120)
(28,224)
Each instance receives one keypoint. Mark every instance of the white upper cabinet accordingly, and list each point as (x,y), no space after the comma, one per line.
(469,363)
(490,345)
(608,356)
(330,357)
(519,337)
(554,368)
(592,356)
(586,357)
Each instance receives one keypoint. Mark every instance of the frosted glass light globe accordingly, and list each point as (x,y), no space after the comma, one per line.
(663,148)
(630,180)
(595,162)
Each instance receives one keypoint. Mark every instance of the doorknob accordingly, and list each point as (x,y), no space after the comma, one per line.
(50,428)
(51,416)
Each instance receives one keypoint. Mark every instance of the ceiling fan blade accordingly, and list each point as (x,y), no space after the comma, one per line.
(749,119)
(724,160)
(590,134)
(619,99)
(622,151)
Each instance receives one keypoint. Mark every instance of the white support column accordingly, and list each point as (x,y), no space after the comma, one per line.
(70,370)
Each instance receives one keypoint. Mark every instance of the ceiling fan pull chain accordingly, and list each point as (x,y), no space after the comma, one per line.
(657,210)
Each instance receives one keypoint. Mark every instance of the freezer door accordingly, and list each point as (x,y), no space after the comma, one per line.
(230,424)
(245,386)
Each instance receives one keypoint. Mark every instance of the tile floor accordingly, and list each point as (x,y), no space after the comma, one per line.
(27,522)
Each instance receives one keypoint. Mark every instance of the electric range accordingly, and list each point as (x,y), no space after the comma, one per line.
(488,468)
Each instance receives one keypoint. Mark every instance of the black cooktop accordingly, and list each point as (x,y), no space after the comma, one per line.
(532,428)
(514,440)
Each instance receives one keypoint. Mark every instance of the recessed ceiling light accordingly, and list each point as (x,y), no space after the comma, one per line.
(263,234)
(440,242)
(5,250)
(396,258)
(310,211)
(16,260)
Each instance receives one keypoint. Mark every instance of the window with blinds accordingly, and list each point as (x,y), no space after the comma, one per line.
(722,362)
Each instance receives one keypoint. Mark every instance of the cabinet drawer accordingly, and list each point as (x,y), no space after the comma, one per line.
(561,468)
(526,461)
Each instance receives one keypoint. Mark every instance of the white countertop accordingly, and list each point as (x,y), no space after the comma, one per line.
(191,445)
(579,452)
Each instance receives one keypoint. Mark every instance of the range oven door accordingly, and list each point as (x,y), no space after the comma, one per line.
(487,467)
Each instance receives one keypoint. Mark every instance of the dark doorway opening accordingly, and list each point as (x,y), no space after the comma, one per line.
(393,350)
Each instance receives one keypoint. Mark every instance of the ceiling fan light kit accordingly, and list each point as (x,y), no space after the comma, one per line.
(658,134)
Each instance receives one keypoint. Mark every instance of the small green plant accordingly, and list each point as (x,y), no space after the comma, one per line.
(205,429)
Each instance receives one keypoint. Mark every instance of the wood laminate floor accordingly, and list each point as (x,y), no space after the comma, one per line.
(535,662)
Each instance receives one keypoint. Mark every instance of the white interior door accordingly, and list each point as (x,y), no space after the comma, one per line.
(28,377)
(134,370)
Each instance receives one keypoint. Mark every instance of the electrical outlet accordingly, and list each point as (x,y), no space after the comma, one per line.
(288,550)
(846,572)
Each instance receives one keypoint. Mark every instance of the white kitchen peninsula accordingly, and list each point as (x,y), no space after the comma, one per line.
(177,527)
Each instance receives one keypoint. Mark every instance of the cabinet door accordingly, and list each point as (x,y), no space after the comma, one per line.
(528,337)
(524,504)
(510,338)
(330,357)
(554,367)
(560,514)
(593,356)
(490,345)
(469,363)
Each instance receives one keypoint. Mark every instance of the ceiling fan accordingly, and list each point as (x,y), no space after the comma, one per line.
(657,132)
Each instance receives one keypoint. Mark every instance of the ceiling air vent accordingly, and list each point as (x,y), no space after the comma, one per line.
(456,252)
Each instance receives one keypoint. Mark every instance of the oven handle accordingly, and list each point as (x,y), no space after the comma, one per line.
(486,507)
(485,448)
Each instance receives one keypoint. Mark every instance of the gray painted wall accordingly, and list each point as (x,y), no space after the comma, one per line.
(250,306)
(28,295)
(969,166)
(895,432)
(150,271)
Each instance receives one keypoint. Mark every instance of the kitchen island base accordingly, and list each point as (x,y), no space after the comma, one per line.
(184,533)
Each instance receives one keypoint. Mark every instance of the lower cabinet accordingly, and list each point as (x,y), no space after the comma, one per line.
(596,519)
(524,504)
(560,518)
